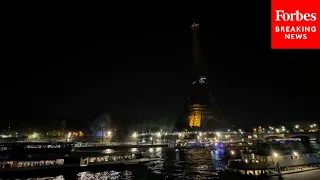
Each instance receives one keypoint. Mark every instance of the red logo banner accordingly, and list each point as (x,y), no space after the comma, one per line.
(295,24)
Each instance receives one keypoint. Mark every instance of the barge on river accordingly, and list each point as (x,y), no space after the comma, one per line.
(46,163)
(19,149)
(271,164)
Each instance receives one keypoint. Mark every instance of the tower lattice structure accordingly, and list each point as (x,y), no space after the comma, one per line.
(201,111)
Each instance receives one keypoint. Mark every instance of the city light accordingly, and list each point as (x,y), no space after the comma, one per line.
(296,126)
(33,136)
(218,134)
(232,152)
(275,154)
(295,153)
(159,134)
(69,134)
(134,135)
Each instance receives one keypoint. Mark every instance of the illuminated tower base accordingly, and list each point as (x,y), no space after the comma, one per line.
(195,115)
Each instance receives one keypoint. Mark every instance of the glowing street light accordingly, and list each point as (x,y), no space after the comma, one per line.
(218,134)
(232,153)
(296,126)
(134,135)
(295,153)
(275,154)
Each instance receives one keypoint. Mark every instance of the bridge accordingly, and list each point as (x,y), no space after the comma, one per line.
(301,135)
(117,145)
(232,135)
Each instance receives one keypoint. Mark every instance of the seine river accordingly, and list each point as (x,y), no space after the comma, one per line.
(174,164)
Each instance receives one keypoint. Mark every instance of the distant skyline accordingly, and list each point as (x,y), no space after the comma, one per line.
(74,68)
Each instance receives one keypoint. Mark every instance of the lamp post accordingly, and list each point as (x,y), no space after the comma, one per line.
(278,165)
(232,153)
(151,140)
(134,135)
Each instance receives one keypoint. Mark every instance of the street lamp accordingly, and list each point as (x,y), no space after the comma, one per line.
(278,165)
(218,134)
(134,135)
(275,155)
(232,153)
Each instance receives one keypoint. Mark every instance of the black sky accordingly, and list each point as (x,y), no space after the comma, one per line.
(74,65)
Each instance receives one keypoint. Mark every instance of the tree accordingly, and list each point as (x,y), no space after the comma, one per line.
(63,126)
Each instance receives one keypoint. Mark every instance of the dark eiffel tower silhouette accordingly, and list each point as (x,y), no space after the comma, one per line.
(200,111)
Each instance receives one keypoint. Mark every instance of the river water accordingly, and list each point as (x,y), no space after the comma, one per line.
(173,164)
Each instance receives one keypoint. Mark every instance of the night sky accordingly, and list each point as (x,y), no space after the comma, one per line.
(65,65)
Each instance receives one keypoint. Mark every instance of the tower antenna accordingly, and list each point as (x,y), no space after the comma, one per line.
(196,47)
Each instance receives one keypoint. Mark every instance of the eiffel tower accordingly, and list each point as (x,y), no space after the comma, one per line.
(200,111)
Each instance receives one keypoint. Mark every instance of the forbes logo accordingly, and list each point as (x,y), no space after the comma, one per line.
(296,16)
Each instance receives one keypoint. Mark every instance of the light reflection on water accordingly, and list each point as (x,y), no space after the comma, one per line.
(179,164)
(109,151)
(106,175)
(47,178)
